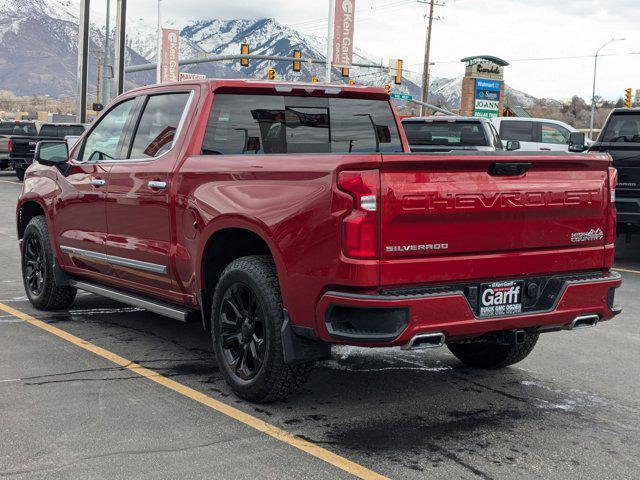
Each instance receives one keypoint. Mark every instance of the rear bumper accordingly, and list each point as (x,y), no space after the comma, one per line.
(392,320)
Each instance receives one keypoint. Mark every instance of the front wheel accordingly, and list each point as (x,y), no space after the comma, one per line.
(20,173)
(247,318)
(493,355)
(38,269)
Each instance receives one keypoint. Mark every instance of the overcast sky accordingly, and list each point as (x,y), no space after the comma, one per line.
(515,30)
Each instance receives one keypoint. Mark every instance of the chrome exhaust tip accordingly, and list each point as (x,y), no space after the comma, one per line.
(422,341)
(584,321)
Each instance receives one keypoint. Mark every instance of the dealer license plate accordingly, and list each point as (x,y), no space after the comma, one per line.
(498,299)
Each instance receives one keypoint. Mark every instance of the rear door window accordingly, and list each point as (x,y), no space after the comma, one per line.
(624,128)
(270,124)
(521,131)
(158,125)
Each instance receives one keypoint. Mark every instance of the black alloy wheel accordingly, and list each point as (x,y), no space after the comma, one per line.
(35,268)
(242,334)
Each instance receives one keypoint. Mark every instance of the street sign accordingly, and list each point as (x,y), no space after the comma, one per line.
(401,96)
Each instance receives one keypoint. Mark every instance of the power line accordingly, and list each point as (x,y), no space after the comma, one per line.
(536,59)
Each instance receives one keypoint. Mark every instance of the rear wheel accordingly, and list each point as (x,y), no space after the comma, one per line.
(493,355)
(38,269)
(246,327)
(20,173)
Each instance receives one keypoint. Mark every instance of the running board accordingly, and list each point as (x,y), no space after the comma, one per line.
(172,311)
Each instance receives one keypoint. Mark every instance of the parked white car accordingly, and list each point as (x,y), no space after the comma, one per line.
(535,134)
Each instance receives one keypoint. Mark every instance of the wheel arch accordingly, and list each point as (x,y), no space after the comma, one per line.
(27,210)
(229,240)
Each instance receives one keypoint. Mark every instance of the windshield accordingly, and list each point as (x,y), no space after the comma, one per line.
(453,134)
(13,128)
(623,128)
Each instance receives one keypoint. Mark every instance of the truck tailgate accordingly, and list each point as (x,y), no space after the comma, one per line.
(441,211)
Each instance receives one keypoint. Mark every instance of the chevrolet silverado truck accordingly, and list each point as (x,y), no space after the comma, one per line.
(291,217)
(22,147)
(620,138)
(10,129)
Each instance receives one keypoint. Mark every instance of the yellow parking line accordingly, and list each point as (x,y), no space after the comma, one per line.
(626,270)
(312,449)
(9,181)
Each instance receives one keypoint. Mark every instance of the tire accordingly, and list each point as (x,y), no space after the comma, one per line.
(38,269)
(20,173)
(493,355)
(4,164)
(247,318)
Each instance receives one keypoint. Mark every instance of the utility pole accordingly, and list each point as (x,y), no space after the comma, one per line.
(427,53)
(99,59)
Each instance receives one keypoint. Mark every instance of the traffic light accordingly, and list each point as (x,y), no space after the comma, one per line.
(244,50)
(627,98)
(296,65)
(345,72)
(315,79)
(387,87)
(271,74)
(398,78)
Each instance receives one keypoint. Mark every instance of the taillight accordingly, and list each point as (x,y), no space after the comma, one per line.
(612,213)
(10,146)
(360,228)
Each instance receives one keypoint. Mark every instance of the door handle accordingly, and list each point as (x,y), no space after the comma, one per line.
(545,149)
(98,182)
(157,185)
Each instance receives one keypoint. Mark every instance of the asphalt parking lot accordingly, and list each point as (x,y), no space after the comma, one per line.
(71,409)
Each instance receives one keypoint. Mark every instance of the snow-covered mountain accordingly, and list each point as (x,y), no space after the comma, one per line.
(38,51)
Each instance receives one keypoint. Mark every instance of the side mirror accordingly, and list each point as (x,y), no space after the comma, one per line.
(513,145)
(51,153)
(577,142)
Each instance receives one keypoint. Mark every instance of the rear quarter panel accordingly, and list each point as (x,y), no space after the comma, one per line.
(291,202)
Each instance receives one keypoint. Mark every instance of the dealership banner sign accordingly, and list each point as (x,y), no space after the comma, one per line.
(343,33)
(170,65)
(487,98)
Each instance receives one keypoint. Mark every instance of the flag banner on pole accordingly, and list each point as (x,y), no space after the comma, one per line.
(343,33)
(170,55)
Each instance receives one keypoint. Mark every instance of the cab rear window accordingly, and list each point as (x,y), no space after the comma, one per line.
(453,134)
(272,124)
(13,128)
(623,128)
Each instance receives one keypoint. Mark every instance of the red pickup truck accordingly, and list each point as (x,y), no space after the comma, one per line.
(289,217)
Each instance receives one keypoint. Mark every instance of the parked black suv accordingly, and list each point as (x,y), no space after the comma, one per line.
(620,137)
